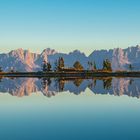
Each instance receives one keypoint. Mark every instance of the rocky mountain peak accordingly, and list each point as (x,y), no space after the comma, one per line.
(49,51)
(24,60)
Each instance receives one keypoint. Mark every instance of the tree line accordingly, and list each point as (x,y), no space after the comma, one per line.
(59,65)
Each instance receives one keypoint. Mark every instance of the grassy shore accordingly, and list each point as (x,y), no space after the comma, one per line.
(82,74)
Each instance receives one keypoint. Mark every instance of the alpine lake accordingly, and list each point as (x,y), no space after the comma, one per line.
(70,109)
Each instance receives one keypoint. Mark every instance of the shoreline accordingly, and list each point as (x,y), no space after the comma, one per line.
(83,74)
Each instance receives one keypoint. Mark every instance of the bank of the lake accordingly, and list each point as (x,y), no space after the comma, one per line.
(81,74)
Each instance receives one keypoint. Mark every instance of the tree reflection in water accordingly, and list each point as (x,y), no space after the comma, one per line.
(77,82)
(107,83)
(50,87)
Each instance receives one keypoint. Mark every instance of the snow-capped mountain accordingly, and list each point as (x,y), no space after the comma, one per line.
(24,60)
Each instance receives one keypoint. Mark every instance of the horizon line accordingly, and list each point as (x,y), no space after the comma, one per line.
(78,50)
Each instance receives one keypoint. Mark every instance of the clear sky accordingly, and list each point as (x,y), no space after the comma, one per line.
(66,25)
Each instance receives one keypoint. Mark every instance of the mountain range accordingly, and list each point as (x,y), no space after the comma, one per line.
(24,60)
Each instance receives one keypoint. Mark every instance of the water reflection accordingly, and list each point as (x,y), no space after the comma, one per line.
(50,87)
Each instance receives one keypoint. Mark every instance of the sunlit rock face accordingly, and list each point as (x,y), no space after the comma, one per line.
(24,60)
(120,58)
(20,60)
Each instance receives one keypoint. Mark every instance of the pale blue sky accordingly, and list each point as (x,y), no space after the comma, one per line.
(66,25)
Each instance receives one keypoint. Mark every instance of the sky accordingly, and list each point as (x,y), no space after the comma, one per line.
(67,25)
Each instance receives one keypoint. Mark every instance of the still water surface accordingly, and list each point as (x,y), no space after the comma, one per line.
(70,109)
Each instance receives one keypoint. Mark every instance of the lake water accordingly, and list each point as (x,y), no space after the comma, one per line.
(70,109)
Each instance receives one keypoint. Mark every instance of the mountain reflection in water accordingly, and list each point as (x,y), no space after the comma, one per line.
(50,87)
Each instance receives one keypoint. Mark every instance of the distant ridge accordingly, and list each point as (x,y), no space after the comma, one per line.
(24,60)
